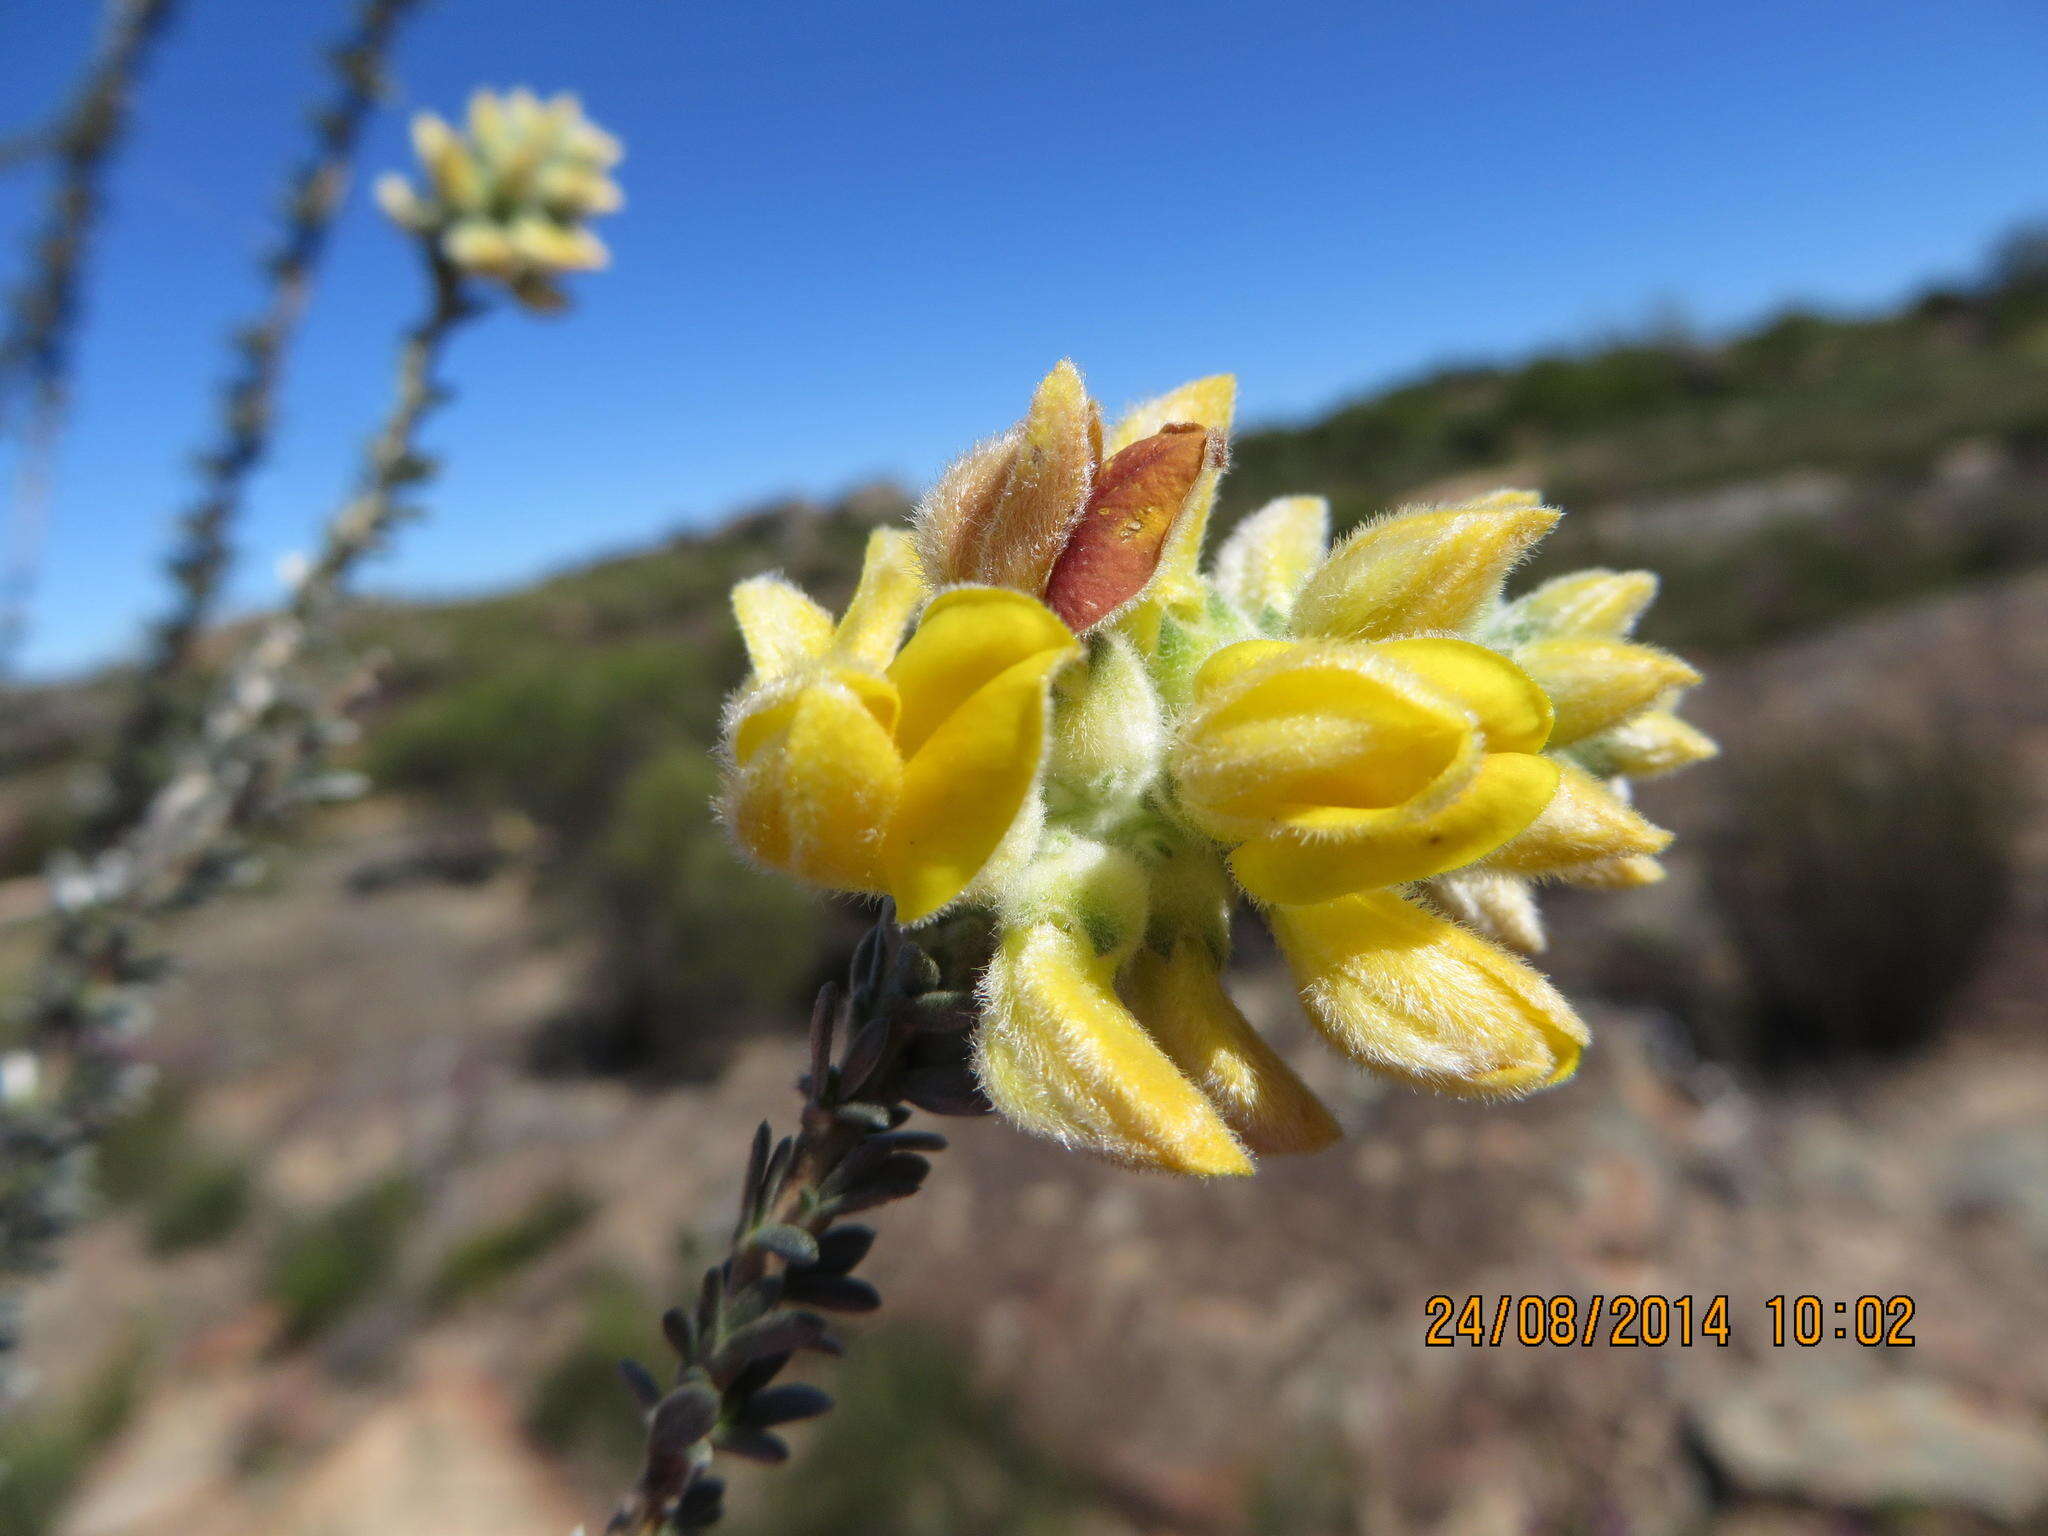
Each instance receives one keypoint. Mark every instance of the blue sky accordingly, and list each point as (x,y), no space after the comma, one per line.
(856,234)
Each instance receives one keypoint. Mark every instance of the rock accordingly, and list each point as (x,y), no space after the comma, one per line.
(1903,1442)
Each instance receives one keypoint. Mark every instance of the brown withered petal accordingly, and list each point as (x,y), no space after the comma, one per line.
(1115,547)
(954,517)
(1045,488)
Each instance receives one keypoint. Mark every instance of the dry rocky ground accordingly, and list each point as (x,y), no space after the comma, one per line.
(1198,1359)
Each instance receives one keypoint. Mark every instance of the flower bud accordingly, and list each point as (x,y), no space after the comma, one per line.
(1418,572)
(1419,999)
(1060,1056)
(1584,821)
(1644,746)
(1593,602)
(1262,565)
(1595,683)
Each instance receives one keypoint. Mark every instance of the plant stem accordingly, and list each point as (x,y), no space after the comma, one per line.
(89,997)
(248,413)
(791,1251)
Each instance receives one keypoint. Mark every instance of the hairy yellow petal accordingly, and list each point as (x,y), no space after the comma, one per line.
(1418,998)
(1514,713)
(1311,738)
(1585,821)
(1268,556)
(1505,794)
(1207,402)
(1227,665)
(1594,602)
(1045,487)
(1651,743)
(889,591)
(1595,683)
(1062,1057)
(1418,572)
(967,637)
(1498,907)
(1180,1000)
(815,786)
(782,626)
(965,786)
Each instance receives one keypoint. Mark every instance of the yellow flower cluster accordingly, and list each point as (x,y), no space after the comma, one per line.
(511,197)
(1040,703)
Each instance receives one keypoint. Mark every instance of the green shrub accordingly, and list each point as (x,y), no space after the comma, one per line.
(44,1454)
(916,1449)
(492,1255)
(323,1267)
(204,1201)
(581,1406)
(1860,880)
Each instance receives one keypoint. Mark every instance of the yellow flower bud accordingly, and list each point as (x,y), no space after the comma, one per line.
(1497,907)
(1268,556)
(1594,603)
(1179,997)
(1418,572)
(1110,732)
(1060,1056)
(1419,999)
(1584,821)
(477,246)
(1644,746)
(1595,683)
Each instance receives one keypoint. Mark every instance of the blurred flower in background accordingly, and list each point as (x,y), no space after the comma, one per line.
(511,195)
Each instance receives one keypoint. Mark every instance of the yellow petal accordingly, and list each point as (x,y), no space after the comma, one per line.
(814,786)
(1181,1002)
(1585,821)
(1268,556)
(1418,572)
(1061,1057)
(782,627)
(1596,683)
(1497,907)
(1418,998)
(890,589)
(967,637)
(1313,738)
(1045,486)
(1514,713)
(1504,796)
(1651,743)
(1206,402)
(1230,663)
(967,783)
(1595,603)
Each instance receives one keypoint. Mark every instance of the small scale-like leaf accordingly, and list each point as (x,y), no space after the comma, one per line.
(842,1247)
(776,1334)
(785,1405)
(681,1332)
(946,1091)
(753,1445)
(793,1245)
(908,1141)
(755,1377)
(874,1117)
(640,1382)
(702,1504)
(682,1418)
(864,1051)
(875,1192)
(834,1293)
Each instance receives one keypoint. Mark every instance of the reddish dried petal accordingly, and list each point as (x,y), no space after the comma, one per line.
(1115,547)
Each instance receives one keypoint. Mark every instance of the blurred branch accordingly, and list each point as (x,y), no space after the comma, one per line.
(792,1252)
(35,347)
(258,752)
(248,409)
